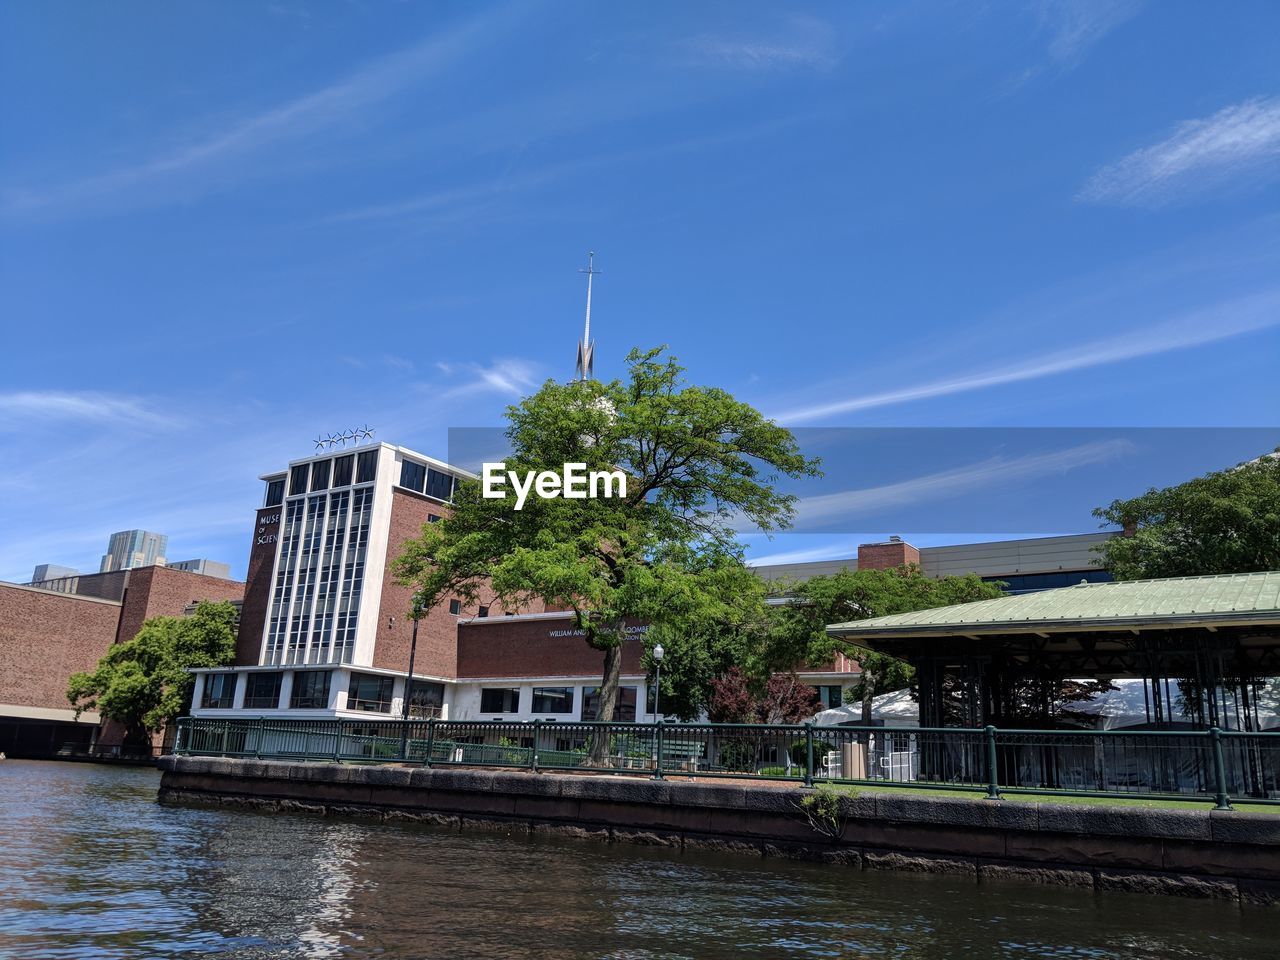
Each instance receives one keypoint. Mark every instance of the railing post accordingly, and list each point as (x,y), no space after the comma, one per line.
(808,754)
(431,740)
(537,739)
(178,737)
(337,742)
(1221,800)
(657,763)
(262,723)
(226,732)
(993,786)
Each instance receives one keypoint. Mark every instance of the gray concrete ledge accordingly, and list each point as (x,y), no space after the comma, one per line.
(1105,848)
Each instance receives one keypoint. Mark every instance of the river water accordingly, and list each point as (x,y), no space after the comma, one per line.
(91,866)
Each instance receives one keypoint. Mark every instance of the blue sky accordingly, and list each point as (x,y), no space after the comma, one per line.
(225,228)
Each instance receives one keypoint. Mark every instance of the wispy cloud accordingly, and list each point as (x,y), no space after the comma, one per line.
(335,104)
(23,409)
(801,42)
(1220,322)
(509,377)
(1237,141)
(1076,25)
(1006,471)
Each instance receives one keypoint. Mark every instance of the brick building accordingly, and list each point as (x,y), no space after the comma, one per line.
(47,635)
(325,630)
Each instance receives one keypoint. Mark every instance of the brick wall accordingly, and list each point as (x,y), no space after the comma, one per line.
(886,556)
(257,592)
(161,592)
(46,637)
(535,648)
(437,631)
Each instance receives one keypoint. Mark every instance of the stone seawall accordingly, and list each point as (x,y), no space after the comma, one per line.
(1195,853)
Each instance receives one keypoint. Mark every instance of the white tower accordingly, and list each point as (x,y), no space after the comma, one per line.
(586,348)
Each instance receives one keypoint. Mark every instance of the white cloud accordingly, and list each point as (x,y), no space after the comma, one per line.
(1220,322)
(1236,142)
(23,410)
(510,377)
(340,102)
(802,42)
(960,480)
(1076,25)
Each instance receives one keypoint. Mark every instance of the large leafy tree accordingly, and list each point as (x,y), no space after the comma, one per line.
(146,682)
(799,635)
(1223,522)
(699,464)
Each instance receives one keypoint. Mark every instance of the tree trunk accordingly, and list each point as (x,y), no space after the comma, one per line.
(608,704)
(868,694)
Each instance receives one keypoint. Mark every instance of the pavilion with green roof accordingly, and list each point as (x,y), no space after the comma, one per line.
(1205,642)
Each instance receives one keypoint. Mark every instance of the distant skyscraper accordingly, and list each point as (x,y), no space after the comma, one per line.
(52,571)
(134,548)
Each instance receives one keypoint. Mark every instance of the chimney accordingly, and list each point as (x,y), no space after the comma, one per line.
(895,552)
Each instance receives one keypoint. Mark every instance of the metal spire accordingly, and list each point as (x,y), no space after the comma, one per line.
(586,348)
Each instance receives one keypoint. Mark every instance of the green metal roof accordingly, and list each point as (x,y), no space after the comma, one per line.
(1241,598)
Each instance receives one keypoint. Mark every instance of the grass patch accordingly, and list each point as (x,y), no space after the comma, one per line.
(1241,805)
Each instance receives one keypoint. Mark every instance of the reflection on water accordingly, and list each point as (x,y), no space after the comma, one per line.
(91,866)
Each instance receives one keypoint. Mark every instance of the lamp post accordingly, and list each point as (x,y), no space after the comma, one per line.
(416,615)
(658,654)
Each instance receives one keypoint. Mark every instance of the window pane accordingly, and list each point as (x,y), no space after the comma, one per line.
(310,690)
(298,479)
(439,484)
(275,493)
(484,612)
(455,607)
(427,699)
(412,475)
(320,474)
(367,466)
(500,700)
(262,691)
(624,711)
(342,470)
(219,690)
(369,692)
(553,699)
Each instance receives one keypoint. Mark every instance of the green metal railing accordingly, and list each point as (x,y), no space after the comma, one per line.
(1214,764)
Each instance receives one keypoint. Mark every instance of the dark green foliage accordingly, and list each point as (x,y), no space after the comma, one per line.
(1224,522)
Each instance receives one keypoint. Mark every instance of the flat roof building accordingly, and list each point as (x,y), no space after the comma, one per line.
(208,568)
(52,571)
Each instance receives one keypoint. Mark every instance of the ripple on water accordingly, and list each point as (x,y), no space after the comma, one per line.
(92,867)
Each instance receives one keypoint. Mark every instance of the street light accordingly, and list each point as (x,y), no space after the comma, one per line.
(658,654)
(416,615)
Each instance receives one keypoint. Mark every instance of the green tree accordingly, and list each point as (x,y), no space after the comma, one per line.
(145,682)
(697,463)
(1223,522)
(799,633)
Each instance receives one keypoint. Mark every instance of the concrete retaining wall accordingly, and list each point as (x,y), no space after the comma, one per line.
(1189,853)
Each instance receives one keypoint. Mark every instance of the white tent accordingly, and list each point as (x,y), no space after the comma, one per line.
(895,709)
(1126,706)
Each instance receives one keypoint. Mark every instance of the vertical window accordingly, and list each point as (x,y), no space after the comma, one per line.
(282,592)
(262,690)
(342,468)
(219,691)
(412,475)
(553,699)
(484,612)
(310,690)
(500,700)
(275,493)
(455,607)
(366,466)
(297,479)
(320,471)
(439,485)
(369,692)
